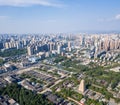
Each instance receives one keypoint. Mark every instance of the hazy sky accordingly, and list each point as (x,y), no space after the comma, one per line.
(38,16)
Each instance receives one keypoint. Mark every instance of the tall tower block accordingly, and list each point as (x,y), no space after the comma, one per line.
(82,86)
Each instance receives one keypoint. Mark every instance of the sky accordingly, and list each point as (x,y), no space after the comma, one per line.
(59,16)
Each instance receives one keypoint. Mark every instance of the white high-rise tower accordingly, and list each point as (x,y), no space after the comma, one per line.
(82,86)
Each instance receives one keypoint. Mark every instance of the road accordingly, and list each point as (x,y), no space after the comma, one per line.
(78,103)
(49,89)
(20,70)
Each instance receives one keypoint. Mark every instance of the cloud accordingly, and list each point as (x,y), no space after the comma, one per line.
(22,3)
(117,17)
(105,19)
(51,20)
(3,17)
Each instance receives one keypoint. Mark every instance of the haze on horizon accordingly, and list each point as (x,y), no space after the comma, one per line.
(49,16)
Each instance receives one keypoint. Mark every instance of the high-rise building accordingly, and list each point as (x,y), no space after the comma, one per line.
(6,45)
(82,86)
(58,49)
(117,44)
(30,50)
(1,45)
(51,46)
(69,46)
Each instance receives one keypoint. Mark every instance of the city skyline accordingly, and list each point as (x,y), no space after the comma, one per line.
(56,16)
